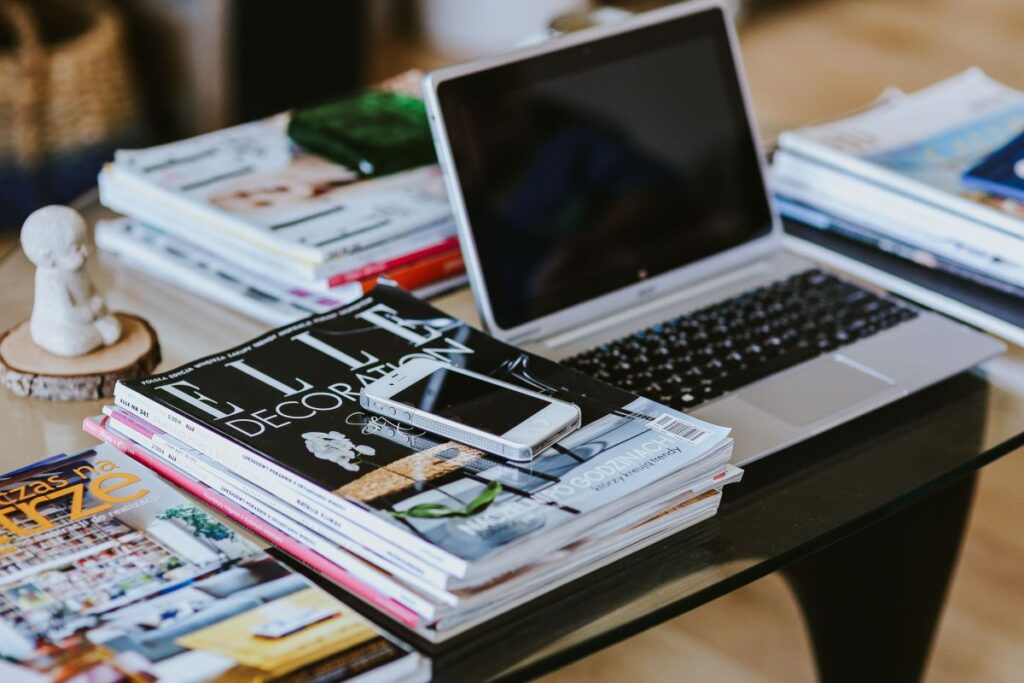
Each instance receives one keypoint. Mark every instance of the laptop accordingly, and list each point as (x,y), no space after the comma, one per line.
(611,200)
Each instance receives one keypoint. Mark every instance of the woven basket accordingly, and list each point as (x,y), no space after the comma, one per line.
(65,100)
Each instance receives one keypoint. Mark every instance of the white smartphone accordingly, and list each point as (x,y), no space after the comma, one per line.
(471,408)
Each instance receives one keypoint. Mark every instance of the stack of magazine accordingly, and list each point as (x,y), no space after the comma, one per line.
(936,176)
(109,574)
(249,218)
(437,535)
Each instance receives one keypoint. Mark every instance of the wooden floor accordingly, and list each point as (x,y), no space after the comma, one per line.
(808,61)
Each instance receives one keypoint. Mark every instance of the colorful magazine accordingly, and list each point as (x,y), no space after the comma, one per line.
(253,183)
(282,411)
(109,574)
(264,519)
(920,145)
(316,546)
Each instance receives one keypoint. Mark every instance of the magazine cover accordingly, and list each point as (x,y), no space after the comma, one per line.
(932,137)
(283,411)
(253,182)
(942,159)
(109,574)
(1002,172)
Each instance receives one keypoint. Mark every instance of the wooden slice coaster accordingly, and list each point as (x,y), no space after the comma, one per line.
(28,370)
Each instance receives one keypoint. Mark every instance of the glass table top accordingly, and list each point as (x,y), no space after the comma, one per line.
(786,507)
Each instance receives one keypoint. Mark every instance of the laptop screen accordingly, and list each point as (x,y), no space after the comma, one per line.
(587,169)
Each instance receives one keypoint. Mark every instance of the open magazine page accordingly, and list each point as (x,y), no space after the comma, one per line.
(291,397)
(107,573)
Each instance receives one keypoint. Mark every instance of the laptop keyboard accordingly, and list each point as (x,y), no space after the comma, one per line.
(699,356)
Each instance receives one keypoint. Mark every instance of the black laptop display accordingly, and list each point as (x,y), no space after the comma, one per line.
(586,170)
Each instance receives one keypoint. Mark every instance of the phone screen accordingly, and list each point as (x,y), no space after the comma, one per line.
(470,401)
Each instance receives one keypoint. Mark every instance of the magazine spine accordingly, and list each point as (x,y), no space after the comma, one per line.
(986,271)
(425,272)
(186,458)
(228,224)
(397,261)
(254,258)
(162,253)
(194,212)
(184,229)
(354,564)
(825,187)
(457,623)
(867,171)
(280,482)
(204,493)
(145,260)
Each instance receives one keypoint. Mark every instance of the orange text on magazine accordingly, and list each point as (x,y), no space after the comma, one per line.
(102,481)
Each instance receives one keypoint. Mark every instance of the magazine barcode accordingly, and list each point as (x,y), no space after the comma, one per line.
(687,431)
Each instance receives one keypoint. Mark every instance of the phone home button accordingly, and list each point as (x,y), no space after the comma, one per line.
(539,423)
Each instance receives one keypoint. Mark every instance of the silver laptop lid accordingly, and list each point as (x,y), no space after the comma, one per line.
(602,169)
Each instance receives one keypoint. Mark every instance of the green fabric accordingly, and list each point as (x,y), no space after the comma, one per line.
(373,133)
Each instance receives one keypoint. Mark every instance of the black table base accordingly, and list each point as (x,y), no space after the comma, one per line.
(873,600)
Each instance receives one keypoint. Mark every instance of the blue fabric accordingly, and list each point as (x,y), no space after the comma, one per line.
(61,178)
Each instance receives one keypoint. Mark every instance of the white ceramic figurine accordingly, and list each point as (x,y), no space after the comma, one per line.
(68,317)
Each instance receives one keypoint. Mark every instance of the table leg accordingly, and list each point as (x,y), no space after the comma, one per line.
(872,600)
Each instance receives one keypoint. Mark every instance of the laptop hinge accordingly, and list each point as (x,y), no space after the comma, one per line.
(582,332)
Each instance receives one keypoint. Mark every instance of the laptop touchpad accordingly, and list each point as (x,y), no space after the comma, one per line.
(814,392)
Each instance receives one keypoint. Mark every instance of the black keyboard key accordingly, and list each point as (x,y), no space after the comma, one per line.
(697,357)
